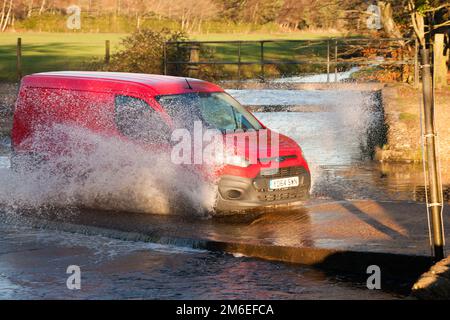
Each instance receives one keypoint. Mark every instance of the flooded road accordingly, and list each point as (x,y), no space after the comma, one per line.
(33,266)
(339,168)
(333,139)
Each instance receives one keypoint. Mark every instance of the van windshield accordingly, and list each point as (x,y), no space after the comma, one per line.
(217,110)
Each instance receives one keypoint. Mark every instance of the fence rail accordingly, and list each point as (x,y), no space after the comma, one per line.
(333,57)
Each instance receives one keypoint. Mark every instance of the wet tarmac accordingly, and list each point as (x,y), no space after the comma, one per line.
(360,225)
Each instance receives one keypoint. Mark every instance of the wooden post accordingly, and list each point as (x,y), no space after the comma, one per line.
(107,51)
(19,59)
(416,64)
(165,58)
(194,58)
(239,63)
(402,66)
(177,57)
(335,60)
(262,62)
(431,163)
(439,64)
(328,61)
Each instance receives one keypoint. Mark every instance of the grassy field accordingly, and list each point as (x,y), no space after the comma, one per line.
(69,51)
(51,51)
(312,49)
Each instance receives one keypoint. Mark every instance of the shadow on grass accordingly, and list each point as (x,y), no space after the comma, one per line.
(45,57)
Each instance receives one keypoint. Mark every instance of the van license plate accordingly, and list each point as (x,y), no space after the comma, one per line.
(283,183)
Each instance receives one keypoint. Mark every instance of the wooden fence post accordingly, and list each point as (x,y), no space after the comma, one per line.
(328,60)
(335,61)
(262,62)
(239,63)
(416,63)
(19,59)
(165,58)
(439,63)
(194,58)
(403,72)
(177,66)
(107,51)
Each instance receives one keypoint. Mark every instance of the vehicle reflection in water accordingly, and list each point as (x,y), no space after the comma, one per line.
(280,226)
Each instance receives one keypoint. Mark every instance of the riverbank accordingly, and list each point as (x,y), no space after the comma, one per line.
(435,283)
(402,105)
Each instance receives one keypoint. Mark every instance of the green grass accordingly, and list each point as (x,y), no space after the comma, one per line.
(314,46)
(313,50)
(69,51)
(51,51)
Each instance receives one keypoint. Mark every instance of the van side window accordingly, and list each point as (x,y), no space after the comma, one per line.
(137,120)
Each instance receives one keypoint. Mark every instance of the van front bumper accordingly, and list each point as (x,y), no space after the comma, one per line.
(237,194)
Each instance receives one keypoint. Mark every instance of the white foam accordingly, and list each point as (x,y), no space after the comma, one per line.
(319,78)
(104,172)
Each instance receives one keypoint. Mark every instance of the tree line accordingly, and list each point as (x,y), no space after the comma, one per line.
(398,16)
(191,14)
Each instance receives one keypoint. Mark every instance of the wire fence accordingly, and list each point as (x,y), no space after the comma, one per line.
(321,60)
(267,59)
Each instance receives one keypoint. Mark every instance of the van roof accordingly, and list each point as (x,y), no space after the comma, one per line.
(160,84)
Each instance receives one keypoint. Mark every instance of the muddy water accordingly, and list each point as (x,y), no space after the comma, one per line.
(33,262)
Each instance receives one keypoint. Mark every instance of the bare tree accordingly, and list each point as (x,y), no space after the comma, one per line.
(2,17)
(389,25)
(189,14)
(6,15)
(41,9)
(418,22)
(30,8)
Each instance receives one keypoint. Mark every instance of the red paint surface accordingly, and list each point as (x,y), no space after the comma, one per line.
(86,99)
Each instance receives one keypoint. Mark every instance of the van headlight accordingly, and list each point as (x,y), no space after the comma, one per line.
(238,161)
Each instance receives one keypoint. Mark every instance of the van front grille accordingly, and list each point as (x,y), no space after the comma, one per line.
(282,172)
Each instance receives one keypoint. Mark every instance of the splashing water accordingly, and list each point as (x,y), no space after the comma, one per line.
(114,174)
(333,131)
(103,172)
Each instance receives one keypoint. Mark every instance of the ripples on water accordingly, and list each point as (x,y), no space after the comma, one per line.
(34,263)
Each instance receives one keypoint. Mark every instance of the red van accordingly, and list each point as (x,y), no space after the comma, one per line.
(123,105)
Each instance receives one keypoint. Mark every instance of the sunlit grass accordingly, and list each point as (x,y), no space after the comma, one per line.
(51,51)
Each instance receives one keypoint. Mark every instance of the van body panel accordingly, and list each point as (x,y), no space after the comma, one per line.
(92,81)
